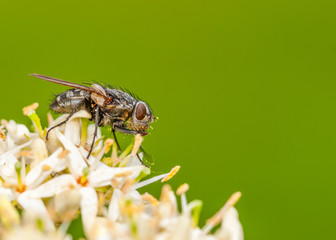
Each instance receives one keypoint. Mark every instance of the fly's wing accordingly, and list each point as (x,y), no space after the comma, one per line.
(148,158)
(96,89)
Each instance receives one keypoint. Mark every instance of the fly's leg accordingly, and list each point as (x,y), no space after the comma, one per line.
(124,130)
(142,161)
(115,139)
(67,119)
(95,131)
(127,131)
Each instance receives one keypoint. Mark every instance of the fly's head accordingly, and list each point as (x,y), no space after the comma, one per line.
(141,117)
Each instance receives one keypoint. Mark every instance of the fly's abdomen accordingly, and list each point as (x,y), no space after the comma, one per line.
(67,101)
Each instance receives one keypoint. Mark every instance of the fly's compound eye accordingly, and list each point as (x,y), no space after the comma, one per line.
(140,111)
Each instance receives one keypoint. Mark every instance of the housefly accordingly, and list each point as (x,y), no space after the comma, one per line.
(107,106)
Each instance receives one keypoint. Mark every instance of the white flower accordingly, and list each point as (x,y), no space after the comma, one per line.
(52,180)
(84,180)
(231,228)
(17,134)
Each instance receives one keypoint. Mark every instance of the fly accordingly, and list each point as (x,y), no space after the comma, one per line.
(107,106)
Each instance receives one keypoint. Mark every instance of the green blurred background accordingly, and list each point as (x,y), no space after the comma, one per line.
(245,93)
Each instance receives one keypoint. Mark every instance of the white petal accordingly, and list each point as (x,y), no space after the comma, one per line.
(3,146)
(92,160)
(40,151)
(54,186)
(134,160)
(72,130)
(81,114)
(18,132)
(15,149)
(7,163)
(89,207)
(7,168)
(182,227)
(7,192)
(197,233)
(76,161)
(103,176)
(37,206)
(146,226)
(114,210)
(67,203)
(231,228)
(101,230)
(61,165)
(37,175)
(135,196)
(101,165)
(89,139)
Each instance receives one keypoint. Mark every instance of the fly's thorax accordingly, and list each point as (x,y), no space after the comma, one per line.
(141,117)
(116,106)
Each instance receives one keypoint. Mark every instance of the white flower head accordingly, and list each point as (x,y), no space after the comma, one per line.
(53,181)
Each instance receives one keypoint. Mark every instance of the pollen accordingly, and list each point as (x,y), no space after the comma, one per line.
(25,153)
(50,118)
(82,181)
(46,168)
(108,144)
(171,174)
(150,199)
(182,189)
(127,185)
(21,188)
(63,154)
(123,174)
(30,109)
(2,135)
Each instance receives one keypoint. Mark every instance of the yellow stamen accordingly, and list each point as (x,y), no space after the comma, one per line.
(101,201)
(128,208)
(171,174)
(2,135)
(63,154)
(108,144)
(114,182)
(150,199)
(4,122)
(114,154)
(166,189)
(127,185)
(20,187)
(83,179)
(50,118)
(126,152)
(137,143)
(30,112)
(182,189)
(108,161)
(85,124)
(123,174)
(25,153)
(46,168)
(217,218)
(30,109)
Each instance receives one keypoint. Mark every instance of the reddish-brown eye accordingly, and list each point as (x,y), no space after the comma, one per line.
(140,111)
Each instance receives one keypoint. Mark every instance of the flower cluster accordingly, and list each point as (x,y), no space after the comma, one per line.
(46,184)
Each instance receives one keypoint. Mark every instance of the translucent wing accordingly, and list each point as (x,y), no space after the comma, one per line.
(96,89)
